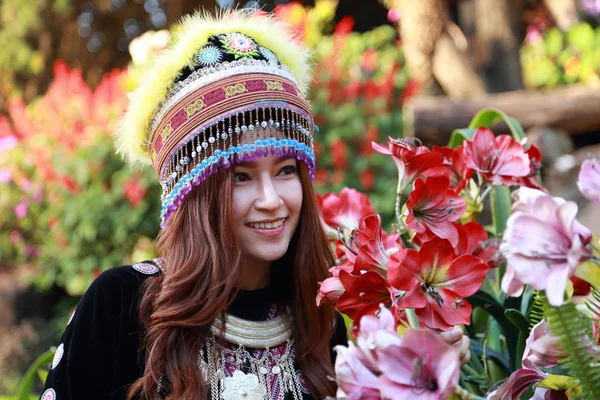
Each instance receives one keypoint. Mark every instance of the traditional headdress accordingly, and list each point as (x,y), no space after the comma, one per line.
(199,106)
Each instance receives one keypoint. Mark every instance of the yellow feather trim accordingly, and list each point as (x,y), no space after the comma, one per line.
(132,136)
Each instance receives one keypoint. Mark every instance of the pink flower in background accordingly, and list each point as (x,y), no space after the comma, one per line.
(21,209)
(542,350)
(436,282)
(423,366)
(498,159)
(589,180)
(5,175)
(345,210)
(7,143)
(544,243)
(433,206)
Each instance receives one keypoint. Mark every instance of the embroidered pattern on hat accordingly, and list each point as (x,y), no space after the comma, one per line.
(58,355)
(209,56)
(49,394)
(146,268)
(268,54)
(240,45)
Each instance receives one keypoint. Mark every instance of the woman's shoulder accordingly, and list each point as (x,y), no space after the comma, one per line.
(125,280)
(116,292)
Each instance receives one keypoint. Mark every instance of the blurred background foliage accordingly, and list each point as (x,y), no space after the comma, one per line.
(71,208)
(562,58)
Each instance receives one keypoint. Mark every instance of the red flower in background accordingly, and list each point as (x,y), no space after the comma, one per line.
(344,27)
(436,282)
(367,179)
(134,192)
(345,210)
(369,60)
(432,207)
(339,154)
(498,159)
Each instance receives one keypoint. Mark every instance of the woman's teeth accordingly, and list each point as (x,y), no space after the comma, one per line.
(268,225)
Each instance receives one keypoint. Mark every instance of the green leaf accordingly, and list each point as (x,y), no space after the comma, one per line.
(501,204)
(558,382)
(26,384)
(517,319)
(459,136)
(487,117)
(571,328)
(589,272)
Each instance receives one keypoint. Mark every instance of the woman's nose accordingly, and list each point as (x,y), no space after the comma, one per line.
(268,197)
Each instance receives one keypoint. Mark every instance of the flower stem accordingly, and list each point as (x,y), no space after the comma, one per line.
(412,318)
(464,395)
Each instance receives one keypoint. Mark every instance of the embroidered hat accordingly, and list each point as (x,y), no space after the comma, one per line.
(202,105)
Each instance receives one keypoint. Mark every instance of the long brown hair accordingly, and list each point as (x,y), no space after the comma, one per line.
(203,264)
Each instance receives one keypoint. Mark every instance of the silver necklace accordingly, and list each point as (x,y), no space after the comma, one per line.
(233,372)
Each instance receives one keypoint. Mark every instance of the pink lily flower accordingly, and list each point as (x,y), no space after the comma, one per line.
(589,180)
(423,367)
(544,244)
(541,348)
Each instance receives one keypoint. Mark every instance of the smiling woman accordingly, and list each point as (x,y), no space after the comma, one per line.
(228,311)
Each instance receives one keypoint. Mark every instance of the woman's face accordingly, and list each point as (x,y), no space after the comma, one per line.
(267,199)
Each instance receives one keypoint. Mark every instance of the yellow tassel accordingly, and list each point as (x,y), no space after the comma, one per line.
(132,136)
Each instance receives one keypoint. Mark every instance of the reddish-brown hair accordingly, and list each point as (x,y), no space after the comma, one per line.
(203,264)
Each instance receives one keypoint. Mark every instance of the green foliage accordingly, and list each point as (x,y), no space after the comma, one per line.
(20,55)
(35,372)
(574,333)
(562,58)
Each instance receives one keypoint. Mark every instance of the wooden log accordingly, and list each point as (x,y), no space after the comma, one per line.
(574,109)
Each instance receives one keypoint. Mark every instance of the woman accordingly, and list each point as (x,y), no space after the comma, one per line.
(223,119)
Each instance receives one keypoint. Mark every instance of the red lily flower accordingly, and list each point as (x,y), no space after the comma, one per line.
(365,250)
(436,282)
(412,160)
(363,293)
(433,206)
(535,156)
(456,160)
(498,159)
(345,210)
(473,240)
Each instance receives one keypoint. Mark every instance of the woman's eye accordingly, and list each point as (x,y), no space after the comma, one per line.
(240,177)
(287,170)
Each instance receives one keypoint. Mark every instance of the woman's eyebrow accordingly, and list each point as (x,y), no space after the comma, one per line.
(252,164)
